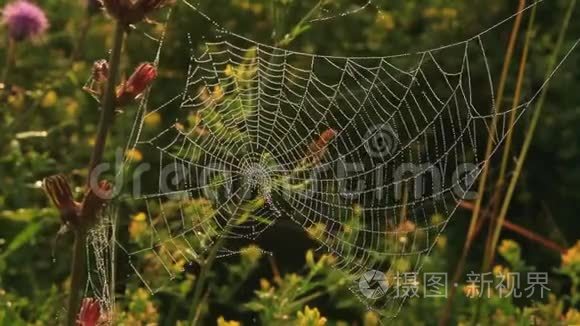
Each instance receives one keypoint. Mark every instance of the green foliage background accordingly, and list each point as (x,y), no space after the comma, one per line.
(44,95)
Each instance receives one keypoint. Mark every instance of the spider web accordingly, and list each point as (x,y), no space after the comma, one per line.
(360,152)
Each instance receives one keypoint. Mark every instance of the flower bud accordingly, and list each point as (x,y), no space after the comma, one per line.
(90,313)
(132,11)
(142,78)
(58,190)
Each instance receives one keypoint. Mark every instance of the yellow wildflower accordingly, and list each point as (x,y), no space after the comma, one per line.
(137,226)
(134,155)
(49,100)
(317,230)
(139,217)
(406,227)
(357,210)
(222,322)
(441,242)
(180,127)
(153,119)
(265,284)
(572,317)
(437,219)
(292,279)
(385,20)
(327,259)
(78,66)
(203,94)
(218,93)
(310,317)
(310,258)
(507,246)
(16,100)
(72,108)
(230,70)
(251,254)
(371,318)
(572,255)
(142,311)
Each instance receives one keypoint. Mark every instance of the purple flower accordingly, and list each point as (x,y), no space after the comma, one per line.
(24,20)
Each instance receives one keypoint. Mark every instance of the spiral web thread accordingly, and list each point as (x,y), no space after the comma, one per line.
(245,150)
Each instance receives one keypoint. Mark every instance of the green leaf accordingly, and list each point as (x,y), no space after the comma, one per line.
(23,238)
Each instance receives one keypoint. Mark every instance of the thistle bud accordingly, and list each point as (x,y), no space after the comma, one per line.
(90,313)
(132,11)
(58,190)
(142,78)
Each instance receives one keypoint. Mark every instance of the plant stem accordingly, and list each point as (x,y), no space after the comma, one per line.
(517,95)
(10,54)
(491,140)
(77,273)
(490,249)
(202,278)
(288,38)
(108,107)
(522,231)
(533,124)
(105,121)
(501,91)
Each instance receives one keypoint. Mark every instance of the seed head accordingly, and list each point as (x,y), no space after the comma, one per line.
(58,190)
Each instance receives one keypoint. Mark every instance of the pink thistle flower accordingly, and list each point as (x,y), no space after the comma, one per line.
(24,20)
